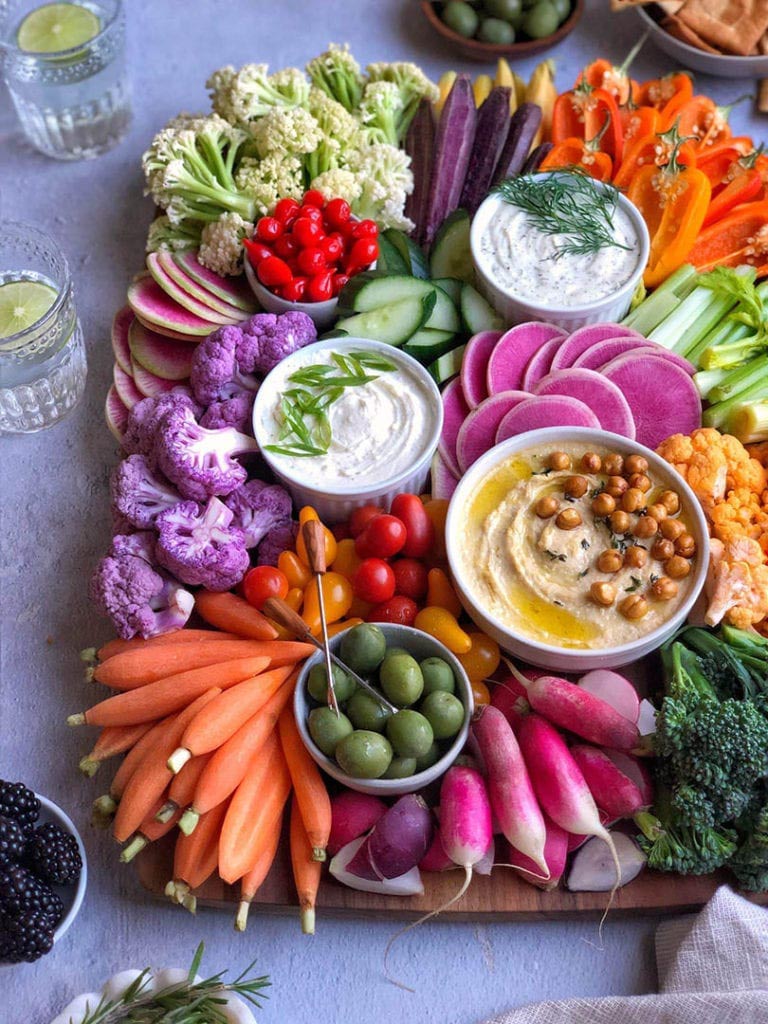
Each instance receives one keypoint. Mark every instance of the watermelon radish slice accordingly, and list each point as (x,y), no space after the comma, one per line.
(651,349)
(507,362)
(455,411)
(601,352)
(120,325)
(233,290)
(164,357)
(663,398)
(188,284)
(173,291)
(478,431)
(116,414)
(539,364)
(149,384)
(444,481)
(167,332)
(539,411)
(584,338)
(125,386)
(474,366)
(152,306)
(597,393)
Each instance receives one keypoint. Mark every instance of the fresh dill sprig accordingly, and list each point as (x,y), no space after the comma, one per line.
(570,205)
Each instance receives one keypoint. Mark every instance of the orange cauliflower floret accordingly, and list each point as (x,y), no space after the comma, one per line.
(741,514)
(743,471)
(759,452)
(737,584)
(701,462)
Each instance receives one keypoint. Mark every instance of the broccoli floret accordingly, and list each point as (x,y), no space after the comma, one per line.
(236,412)
(267,338)
(201,546)
(733,673)
(144,417)
(221,244)
(202,463)
(166,237)
(137,494)
(216,370)
(672,845)
(338,74)
(750,862)
(258,508)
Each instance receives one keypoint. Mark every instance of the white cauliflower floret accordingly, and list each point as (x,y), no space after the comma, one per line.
(275,177)
(221,244)
(242,96)
(164,236)
(284,130)
(381,110)
(292,84)
(386,180)
(338,181)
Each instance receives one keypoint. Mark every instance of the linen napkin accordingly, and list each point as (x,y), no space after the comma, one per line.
(713,969)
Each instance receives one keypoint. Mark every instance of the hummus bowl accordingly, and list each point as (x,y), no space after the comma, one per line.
(576,548)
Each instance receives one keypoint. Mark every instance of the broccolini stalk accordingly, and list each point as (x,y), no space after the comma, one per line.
(673,846)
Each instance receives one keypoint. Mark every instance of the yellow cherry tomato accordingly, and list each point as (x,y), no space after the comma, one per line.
(347,559)
(294,598)
(296,571)
(305,515)
(440,592)
(437,510)
(339,627)
(483,657)
(337,598)
(480,692)
(440,624)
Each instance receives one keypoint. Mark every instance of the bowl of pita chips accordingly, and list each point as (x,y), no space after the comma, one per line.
(728,38)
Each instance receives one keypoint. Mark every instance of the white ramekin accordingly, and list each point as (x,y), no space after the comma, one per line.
(334,504)
(516,310)
(568,659)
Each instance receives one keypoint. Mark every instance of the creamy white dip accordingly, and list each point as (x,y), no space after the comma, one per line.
(378,430)
(524,261)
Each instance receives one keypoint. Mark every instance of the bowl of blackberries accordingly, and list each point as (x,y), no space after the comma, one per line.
(42,873)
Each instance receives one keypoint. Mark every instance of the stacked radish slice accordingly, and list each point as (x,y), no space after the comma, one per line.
(534,375)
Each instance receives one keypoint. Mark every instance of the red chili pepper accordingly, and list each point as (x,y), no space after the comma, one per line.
(313,197)
(286,210)
(333,247)
(307,232)
(257,251)
(295,290)
(319,287)
(286,246)
(273,272)
(365,229)
(337,212)
(362,254)
(581,113)
(339,280)
(311,261)
(268,229)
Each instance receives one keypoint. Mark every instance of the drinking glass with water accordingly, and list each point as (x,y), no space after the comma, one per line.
(64,64)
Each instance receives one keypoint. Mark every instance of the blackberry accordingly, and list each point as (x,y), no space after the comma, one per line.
(12,841)
(53,855)
(26,938)
(19,803)
(21,893)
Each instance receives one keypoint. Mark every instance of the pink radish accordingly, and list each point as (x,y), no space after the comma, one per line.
(148,383)
(477,434)
(570,707)
(592,871)
(455,412)
(511,700)
(614,792)
(352,815)
(401,837)
(116,414)
(575,841)
(555,856)
(509,358)
(120,326)
(409,884)
(635,770)
(599,354)
(474,366)
(539,364)
(485,865)
(509,787)
(444,483)
(614,689)
(597,393)
(125,387)
(584,338)
(361,865)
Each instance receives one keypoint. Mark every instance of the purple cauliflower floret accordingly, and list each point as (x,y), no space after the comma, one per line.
(268,338)
(200,462)
(144,417)
(258,507)
(215,366)
(280,538)
(201,546)
(138,494)
(129,590)
(236,412)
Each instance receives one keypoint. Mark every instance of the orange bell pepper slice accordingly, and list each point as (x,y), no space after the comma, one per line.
(676,87)
(581,113)
(716,161)
(637,122)
(653,149)
(585,155)
(747,182)
(602,74)
(702,119)
(740,237)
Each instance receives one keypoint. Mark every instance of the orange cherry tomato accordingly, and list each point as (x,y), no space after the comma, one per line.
(437,510)
(295,598)
(338,627)
(440,624)
(263,582)
(337,598)
(440,592)
(482,659)
(480,692)
(305,515)
(296,572)
(347,560)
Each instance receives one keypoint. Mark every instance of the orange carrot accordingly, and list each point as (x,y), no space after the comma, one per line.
(227,767)
(112,741)
(224,716)
(131,669)
(256,802)
(105,806)
(176,636)
(306,870)
(252,880)
(149,831)
(227,611)
(182,787)
(195,858)
(152,777)
(169,694)
(309,789)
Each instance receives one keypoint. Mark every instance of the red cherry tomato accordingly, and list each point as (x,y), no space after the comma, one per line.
(286,246)
(286,210)
(268,229)
(382,537)
(410,578)
(311,261)
(257,251)
(313,197)
(295,290)
(333,247)
(365,229)
(374,581)
(361,517)
(339,280)
(362,254)
(320,287)
(420,531)
(263,582)
(337,212)
(274,272)
(306,232)
(397,609)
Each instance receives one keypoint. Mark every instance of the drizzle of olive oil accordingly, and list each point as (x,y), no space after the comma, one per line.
(544,621)
(493,491)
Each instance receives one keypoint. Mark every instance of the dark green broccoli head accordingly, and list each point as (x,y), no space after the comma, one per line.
(750,862)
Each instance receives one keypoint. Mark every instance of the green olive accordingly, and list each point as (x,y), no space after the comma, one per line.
(541,20)
(327,730)
(364,754)
(410,733)
(431,757)
(461,18)
(444,712)
(507,10)
(494,30)
(563,8)
(400,768)
(401,679)
(365,712)
(317,683)
(391,651)
(438,675)
(363,647)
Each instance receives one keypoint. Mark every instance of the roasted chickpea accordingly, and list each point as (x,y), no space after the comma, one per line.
(645,527)
(547,506)
(568,519)
(632,500)
(576,486)
(620,521)
(658,511)
(633,606)
(610,560)
(671,528)
(662,549)
(635,556)
(672,501)
(640,481)
(559,461)
(677,567)
(591,462)
(664,589)
(613,464)
(635,464)
(603,594)
(685,545)
(603,504)
(616,486)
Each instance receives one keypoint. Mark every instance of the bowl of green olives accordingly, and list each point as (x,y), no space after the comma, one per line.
(485,30)
(367,747)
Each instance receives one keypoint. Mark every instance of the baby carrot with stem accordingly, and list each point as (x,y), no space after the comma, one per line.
(176,636)
(182,787)
(148,832)
(227,611)
(310,793)
(195,858)
(306,869)
(113,740)
(105,806)
(252,880)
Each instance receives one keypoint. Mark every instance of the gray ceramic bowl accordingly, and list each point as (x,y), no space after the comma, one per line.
(421,646)
(722,65)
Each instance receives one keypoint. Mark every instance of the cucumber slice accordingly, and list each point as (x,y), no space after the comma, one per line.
(427,344)
(362,296)
(393,324)
(451,286)
(390,262)
(448,365)
(477,313)
(412,254)
(451,256)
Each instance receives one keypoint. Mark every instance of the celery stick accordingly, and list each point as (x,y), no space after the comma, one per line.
(702,325)
(705,380)
(717,415)
(749,422)
(725,332)
(753,372)
(664,300)
(698,313)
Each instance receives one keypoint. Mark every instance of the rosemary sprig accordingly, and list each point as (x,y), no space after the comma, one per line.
(188,1002)
(571,205)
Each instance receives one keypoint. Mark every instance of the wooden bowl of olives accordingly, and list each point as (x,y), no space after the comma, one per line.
(485,30)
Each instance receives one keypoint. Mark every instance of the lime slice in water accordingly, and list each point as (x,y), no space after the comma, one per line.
(23,303)
(55,27)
